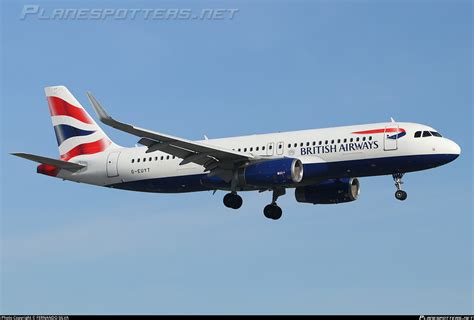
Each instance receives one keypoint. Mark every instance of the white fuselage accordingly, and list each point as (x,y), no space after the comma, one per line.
(325,153)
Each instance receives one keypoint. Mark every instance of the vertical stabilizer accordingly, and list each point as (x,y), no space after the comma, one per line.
(76,132)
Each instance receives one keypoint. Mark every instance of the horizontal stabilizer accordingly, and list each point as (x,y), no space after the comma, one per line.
(54,162)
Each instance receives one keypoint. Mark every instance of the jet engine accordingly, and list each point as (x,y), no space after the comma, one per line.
(273,172)
(262,174)
(329,191)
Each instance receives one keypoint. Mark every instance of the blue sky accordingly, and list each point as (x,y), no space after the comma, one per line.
(276,66)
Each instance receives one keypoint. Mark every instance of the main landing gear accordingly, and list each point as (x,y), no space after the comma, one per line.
(233,200)
(399,194)
(273,211)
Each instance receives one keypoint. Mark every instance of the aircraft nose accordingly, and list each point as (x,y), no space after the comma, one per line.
(452,151)
(454,148)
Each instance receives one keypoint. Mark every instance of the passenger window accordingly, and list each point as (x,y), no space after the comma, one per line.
(256,148)
(301,144)
(138,160)
(320,143)
(352,139)
(167,157)
(174,157)
(289,145)
(417,134)
(239,149)
(245,149)
(133,160)
(370,137)
(307,144)
(363,138)
(270,147)
(332,141)
(338,140)
(426,134)
(251,149)
(150,159)
(357,139)
(280,146)
(326,142)
(162,157)
(263,148)
(144,159)
(314,143)
(345,140)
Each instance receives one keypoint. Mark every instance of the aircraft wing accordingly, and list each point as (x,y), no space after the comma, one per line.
(211,157)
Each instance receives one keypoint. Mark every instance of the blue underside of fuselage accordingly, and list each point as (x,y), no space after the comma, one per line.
(313,172)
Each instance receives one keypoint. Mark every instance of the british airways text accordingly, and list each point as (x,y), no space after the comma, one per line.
(344,147)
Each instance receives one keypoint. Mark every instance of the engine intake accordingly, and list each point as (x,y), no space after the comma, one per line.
(272,172)
(329,191)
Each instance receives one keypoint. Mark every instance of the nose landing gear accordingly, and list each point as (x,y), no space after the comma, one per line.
(399,194)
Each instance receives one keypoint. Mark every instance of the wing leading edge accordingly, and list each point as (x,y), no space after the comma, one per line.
(211,157)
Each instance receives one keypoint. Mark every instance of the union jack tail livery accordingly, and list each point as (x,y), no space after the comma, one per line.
(76,132)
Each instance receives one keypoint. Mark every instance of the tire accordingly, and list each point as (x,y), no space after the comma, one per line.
(233,201)
(272,211)
(267,211)
(228,200)
(236,201)
(277,213)
(401,195)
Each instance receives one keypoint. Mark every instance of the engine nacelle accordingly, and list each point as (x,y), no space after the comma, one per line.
(272,172)
(329,191)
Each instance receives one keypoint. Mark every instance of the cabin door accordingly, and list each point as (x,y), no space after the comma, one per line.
(390,138)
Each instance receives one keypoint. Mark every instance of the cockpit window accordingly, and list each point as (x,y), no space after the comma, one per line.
(424,134)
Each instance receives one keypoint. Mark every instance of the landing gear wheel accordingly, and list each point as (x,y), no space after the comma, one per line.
(233,200)
(267,211)
(272,211)
(277,213)
(401,195)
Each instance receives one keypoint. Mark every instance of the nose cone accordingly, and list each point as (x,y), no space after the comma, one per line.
(454,148)
(452,151)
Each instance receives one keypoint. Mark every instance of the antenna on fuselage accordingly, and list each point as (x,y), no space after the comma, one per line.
(391,119)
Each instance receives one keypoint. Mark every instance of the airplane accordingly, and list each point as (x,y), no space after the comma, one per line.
(322,165)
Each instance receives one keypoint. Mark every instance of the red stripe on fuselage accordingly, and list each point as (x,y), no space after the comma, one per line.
(86,148)
(59,107)
(380,131)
